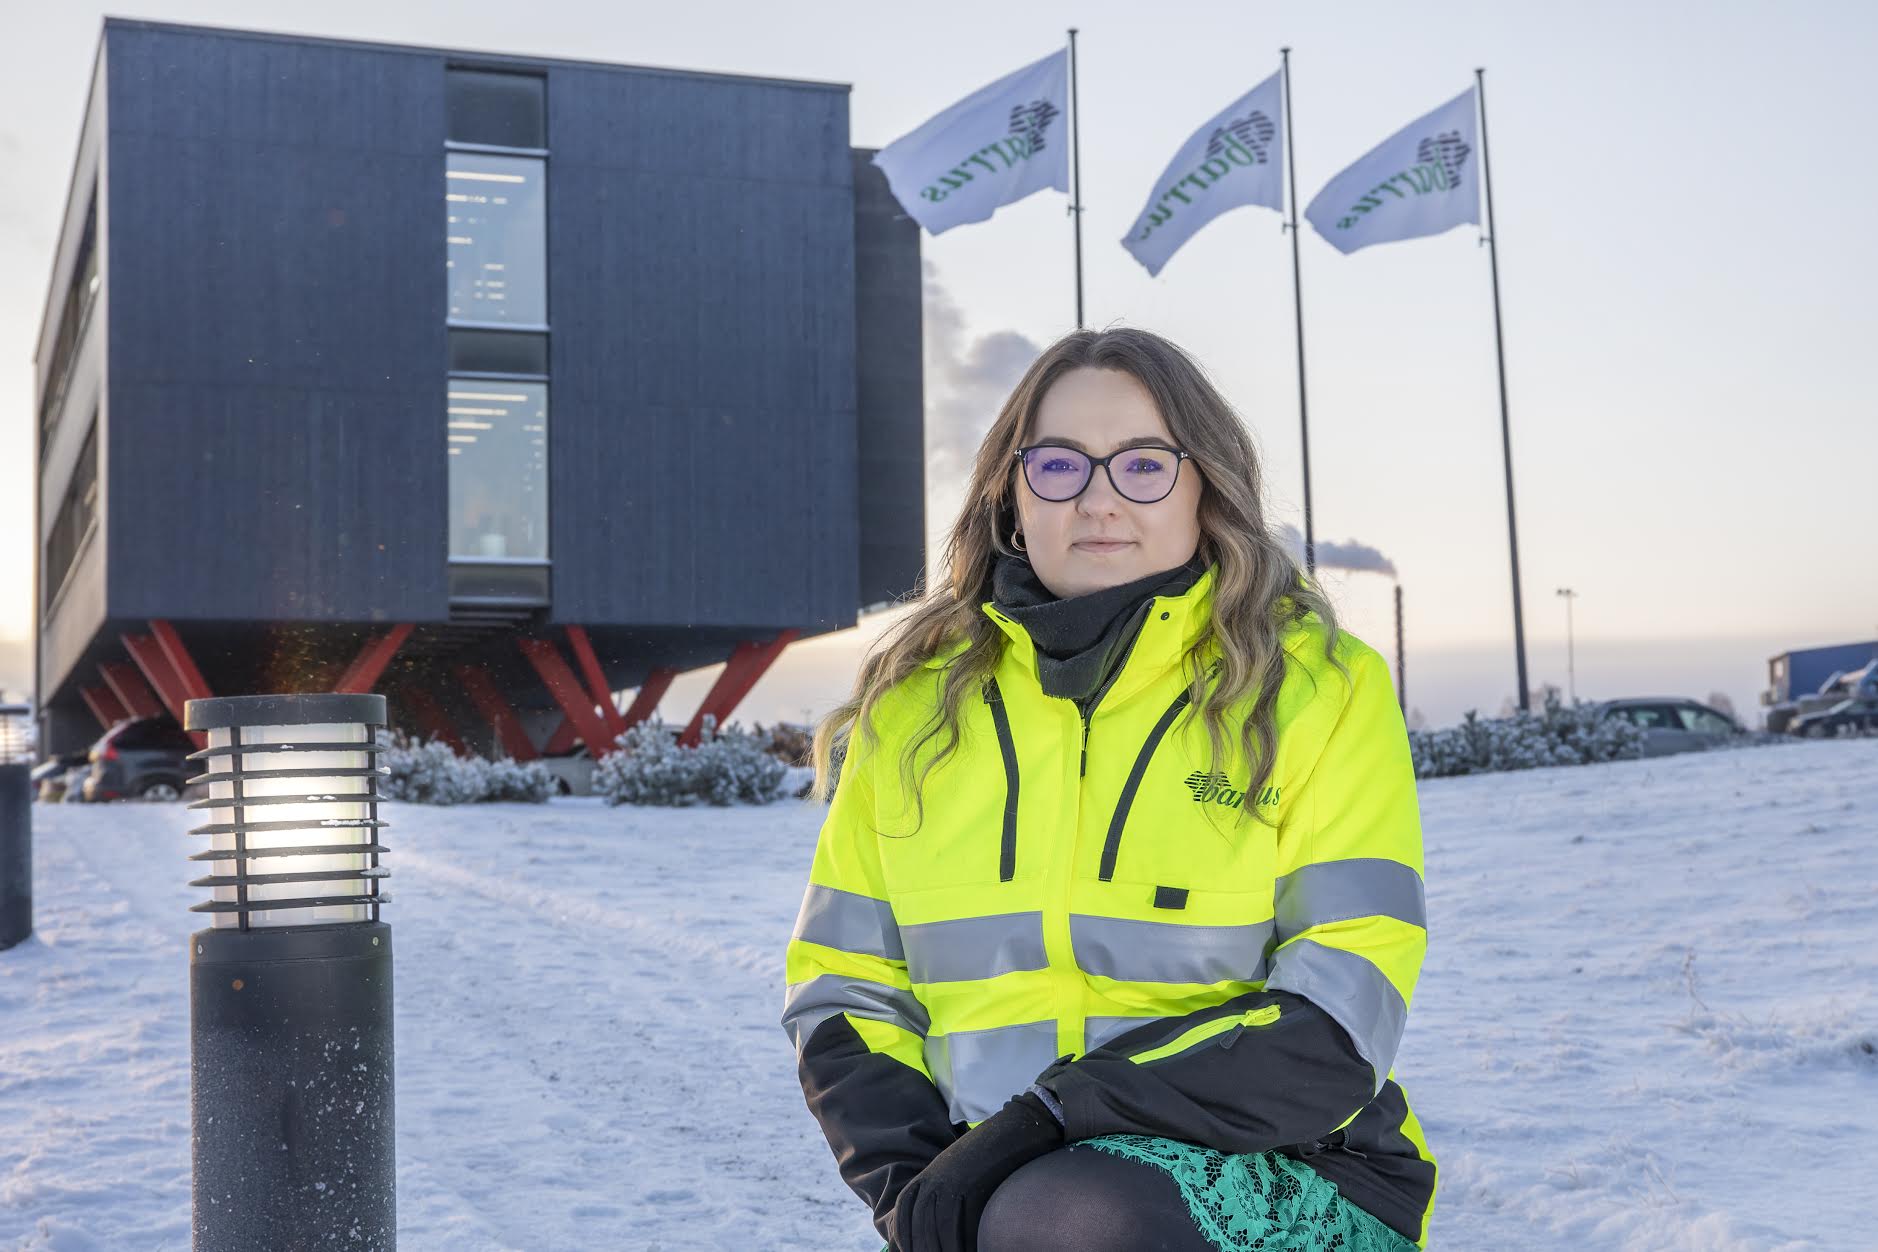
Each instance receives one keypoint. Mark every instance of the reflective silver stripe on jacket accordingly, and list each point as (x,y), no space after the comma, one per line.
(1100,1031)
(1136,951)
(807,1005)
(978,1070)
(965,948)
(1351,989)
(1337,891)
(853,923)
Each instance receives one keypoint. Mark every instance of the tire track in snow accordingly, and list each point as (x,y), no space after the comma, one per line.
(669,934)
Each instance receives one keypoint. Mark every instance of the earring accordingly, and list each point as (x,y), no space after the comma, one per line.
(1015,536)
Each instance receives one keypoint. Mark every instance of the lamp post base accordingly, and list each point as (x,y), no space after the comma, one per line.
(291,1099)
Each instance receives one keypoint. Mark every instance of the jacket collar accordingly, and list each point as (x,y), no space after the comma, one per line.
(1188,614)
(1080,641)
(1170,627)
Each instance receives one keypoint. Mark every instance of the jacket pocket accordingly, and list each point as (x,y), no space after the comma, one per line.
(1112,843)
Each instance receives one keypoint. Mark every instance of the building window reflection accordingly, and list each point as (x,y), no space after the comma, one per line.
(498,447)
(78,511)
(496,225)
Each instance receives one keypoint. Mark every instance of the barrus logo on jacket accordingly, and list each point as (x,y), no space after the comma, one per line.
(1216,788)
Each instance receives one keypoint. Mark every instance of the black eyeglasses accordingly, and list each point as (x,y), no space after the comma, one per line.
(1057,473)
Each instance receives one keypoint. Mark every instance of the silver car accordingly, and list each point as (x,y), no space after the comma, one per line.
(1671,724)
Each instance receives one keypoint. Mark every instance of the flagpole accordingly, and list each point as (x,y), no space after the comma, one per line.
(1075,157)
(1297,295)
(1499,350)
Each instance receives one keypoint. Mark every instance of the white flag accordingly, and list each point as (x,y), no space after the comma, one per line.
(1421,180)
(1235,159)
(1001,143)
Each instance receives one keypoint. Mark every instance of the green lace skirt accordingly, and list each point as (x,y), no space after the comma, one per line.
(1258,1201)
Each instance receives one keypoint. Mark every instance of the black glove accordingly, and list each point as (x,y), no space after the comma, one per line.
(939,1210)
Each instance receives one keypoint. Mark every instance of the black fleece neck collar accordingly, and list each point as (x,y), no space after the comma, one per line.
(1081,640)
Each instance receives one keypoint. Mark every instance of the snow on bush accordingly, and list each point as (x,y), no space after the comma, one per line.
(432,773)
(727,767)
(512,780)
(1561,735)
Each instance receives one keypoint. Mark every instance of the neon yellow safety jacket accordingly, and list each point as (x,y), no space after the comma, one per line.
(1078,911)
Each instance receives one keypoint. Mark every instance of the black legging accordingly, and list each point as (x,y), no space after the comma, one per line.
(1082,1199)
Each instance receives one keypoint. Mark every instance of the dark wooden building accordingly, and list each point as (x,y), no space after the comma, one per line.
(492,383)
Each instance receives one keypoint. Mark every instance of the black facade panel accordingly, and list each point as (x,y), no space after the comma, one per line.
(277,347)
(890,385)
(702,441)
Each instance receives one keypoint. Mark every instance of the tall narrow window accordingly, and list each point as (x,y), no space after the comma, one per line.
(77,510)
(496,224)
(498,239)
(74,312)
(498,469)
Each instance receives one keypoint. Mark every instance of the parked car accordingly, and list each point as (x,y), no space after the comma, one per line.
(573,772)
(140,758)
(1860,713)
(49,777)
(1674,725)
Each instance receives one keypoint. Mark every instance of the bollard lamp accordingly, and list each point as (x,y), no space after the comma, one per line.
(291,1098)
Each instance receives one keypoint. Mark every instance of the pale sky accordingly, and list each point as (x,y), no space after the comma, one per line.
(1686,258)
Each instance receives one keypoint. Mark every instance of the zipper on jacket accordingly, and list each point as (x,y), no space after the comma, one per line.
(1264,1016)
(1088,710)
(1112,846)
(1007,846)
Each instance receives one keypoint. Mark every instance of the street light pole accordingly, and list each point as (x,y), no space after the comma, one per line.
(1571,667)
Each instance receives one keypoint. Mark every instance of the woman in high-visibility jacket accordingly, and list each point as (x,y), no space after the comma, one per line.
(1114,920)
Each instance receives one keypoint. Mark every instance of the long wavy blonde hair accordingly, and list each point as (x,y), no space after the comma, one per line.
(1258,592)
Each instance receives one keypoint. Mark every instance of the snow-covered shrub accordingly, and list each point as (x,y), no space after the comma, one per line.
(727,767)
(1560,735)
(528,783)
(1588,736)
(431,772)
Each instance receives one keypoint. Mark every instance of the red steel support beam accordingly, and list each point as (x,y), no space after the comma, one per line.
(369,665)
(103,705)
(496,709)
(560,681)
(651,691)
(148,654)
(590,669)
(188,677)
(425,710)
(748,662)
(127,684)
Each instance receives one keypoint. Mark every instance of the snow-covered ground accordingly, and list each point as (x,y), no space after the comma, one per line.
(1647,1019)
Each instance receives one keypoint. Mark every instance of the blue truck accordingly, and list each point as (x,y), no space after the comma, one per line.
(1800,681)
